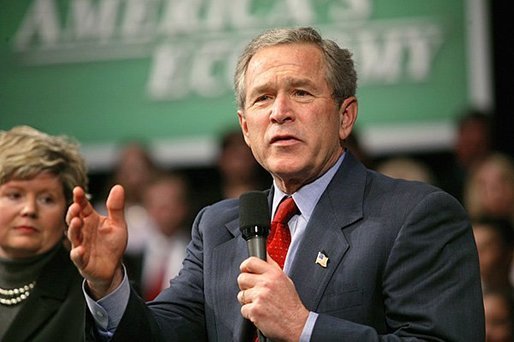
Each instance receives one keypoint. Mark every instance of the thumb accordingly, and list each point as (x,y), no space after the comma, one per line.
(116,204)
(270,260)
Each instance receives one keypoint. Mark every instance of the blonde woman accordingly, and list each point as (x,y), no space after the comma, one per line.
(40,289)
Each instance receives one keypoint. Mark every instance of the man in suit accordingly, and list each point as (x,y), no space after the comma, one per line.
(370,258)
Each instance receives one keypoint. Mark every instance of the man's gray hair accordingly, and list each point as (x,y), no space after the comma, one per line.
(340,71)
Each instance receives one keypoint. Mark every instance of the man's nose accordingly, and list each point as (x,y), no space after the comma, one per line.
(282,109)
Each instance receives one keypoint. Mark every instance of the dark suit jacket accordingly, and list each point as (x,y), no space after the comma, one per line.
(55,310)
(402,265)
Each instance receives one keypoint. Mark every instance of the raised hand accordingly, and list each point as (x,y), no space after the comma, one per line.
(98,242)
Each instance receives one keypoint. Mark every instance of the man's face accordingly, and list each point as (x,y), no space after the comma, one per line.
(290,120)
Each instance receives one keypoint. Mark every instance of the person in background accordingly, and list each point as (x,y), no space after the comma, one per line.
(495,243)
(238,168)
(473,143)
(406,168)
(134,169)
(235,172)
(499,316)
(40,289)
(490,188)
(353,255)
(166,200)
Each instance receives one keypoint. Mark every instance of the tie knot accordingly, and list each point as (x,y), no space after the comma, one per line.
(286,209)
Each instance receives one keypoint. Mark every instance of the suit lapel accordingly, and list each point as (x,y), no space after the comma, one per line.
(339,207)
(235,251)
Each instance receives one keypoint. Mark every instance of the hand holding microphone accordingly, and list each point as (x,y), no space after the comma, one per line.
(254,222)
(285,313)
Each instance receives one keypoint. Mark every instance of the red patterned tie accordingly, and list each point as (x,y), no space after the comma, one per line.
(280,236)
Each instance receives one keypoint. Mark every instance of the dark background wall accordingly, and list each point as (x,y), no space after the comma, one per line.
(502,32)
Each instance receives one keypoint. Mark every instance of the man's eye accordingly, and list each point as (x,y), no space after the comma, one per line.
(301,92)
(262,98)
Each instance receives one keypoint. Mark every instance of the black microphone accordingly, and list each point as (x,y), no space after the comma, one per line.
(254,222)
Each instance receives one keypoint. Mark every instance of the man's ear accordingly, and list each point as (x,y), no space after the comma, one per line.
(348,115)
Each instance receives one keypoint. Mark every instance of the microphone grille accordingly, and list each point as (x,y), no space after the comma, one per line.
(254,209)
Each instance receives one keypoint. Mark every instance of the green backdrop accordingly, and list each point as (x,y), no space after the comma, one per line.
(104,71)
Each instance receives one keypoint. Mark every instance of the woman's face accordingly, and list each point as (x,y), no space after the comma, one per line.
(31,216)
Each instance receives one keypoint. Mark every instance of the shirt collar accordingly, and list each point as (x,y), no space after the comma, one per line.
(308,195)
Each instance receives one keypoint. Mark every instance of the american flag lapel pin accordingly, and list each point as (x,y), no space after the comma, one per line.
(322,259)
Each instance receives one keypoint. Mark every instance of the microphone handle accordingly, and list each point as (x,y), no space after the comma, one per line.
(257,247)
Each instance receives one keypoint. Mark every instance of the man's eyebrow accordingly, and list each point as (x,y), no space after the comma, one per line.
(299,82)
(260,88)
(290,81)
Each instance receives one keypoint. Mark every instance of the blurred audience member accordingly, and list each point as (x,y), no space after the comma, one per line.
(166,200)
(406,168)
(134,169)
(239,171)
(473,141)
(40,289)
(499,314)
(472,144)
(490,188)
(495,243)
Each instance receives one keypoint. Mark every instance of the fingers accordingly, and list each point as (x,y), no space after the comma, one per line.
(73,232)
(80,205)
(241,297)
(255,271)
(254,265)
(76,255)
(244,298)
(116,203)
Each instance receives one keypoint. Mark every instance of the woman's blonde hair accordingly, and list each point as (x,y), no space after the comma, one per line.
(25,152)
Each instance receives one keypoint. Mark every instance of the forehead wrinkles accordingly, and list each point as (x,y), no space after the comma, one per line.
(296,58)
(287,76)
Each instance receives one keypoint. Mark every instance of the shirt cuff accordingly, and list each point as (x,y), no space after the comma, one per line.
(308,327)
(108,311)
